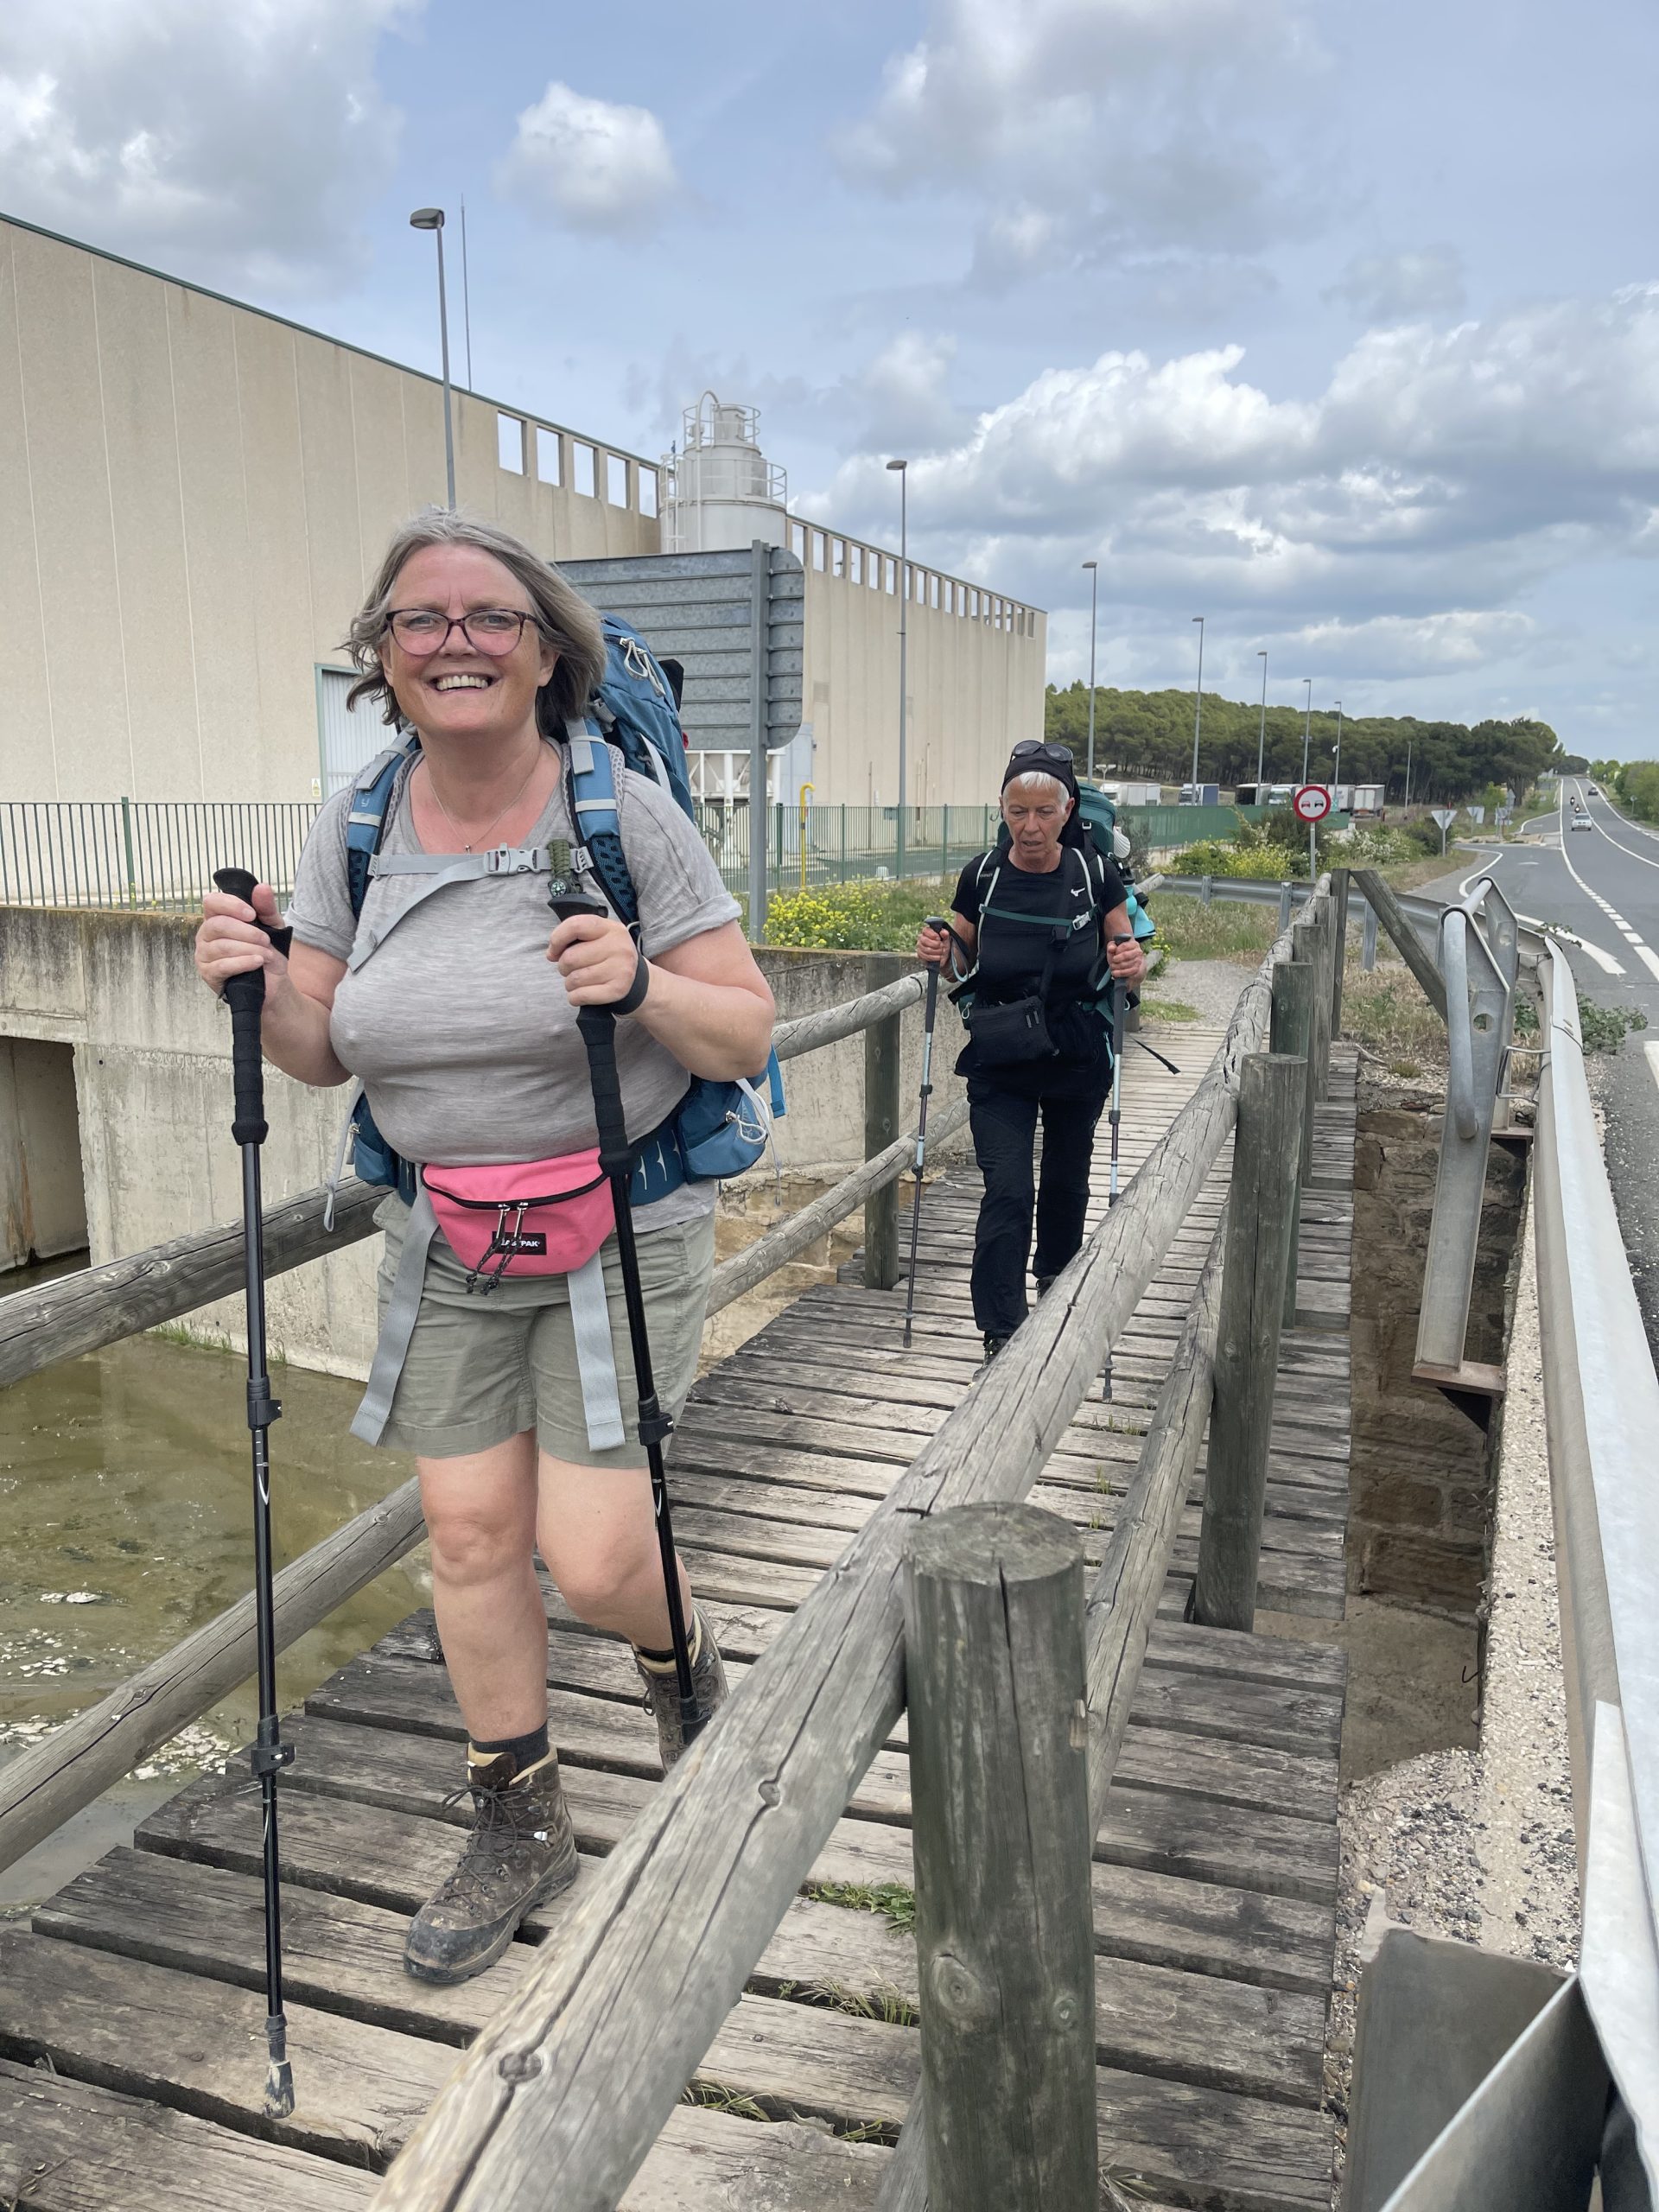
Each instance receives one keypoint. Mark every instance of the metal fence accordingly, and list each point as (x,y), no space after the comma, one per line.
(156,853)
(161,852)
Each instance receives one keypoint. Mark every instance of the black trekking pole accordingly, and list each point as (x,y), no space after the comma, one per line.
(934,923)
(245,996)
(597,1025)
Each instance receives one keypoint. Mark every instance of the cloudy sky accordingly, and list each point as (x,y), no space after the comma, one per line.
(1334,321)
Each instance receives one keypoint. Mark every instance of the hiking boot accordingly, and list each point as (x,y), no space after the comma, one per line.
(522,1851)
(992,1345)
(662,1697)
(1045,1284)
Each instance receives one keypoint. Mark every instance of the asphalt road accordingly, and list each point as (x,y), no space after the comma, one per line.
(1602,886)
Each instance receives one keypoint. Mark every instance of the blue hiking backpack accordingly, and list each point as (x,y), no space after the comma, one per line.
(719,1129)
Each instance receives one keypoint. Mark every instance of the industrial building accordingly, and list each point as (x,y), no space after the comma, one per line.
(193,494)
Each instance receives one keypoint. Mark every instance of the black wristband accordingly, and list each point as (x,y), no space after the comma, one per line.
(634,997)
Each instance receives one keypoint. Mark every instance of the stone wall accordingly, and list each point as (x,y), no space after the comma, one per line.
(1422,1499)
(152,1090)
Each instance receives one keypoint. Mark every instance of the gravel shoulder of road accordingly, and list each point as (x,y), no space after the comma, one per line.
(1479,1845)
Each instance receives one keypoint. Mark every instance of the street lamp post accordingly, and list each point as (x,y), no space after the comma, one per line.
(1093,568)
(431,219)
(1408,799)
(1261,736)
(903,467)
(1308,723)
(1197,712)
(1336,775)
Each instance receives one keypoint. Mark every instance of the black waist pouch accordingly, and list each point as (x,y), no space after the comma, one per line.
(1004,1036)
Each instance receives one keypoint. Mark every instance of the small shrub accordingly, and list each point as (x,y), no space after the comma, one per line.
(1222,856)
(1603,1028)
(855,917)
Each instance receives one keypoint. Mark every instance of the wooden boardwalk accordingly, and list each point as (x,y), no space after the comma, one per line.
(131,2048)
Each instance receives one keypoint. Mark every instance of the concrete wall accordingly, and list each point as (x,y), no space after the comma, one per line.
(152,1079)
(1420,1525)
(193,496)
(974,682)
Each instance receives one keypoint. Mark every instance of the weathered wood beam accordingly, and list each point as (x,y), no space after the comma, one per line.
(562,2096)
(99,1306)
(1122,1607)
(881,1051)
(1000,1823)
(1266,1145)
(807,1032)
(67,1770)
(1291,1033)
(791,1237)
(1406,943)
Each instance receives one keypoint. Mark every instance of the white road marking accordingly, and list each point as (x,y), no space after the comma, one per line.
(1652,1052)
(1637,945)
(1648,960)
(1613,841)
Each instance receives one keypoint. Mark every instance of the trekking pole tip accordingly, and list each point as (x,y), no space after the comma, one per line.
(279,2075)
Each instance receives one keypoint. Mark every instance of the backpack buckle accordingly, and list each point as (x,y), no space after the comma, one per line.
(508,860)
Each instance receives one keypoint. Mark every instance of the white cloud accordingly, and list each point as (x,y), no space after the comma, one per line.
(244,138)
(1437,470)
(1086,131)
(589,164)
(1392,287)
(902,401)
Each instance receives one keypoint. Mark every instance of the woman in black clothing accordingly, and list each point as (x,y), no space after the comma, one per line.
(1046,917)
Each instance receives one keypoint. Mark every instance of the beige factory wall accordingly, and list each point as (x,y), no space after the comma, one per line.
(192,497)
(973,691)
(152,1092)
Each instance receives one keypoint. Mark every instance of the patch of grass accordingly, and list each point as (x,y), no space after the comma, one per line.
(1386,1010)
(884,2002)
(1188,929)
(1603,1028)
(714,2099)
(892,1899)
(1169,1009)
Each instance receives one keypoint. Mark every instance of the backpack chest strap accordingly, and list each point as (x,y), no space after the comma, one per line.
(440,870)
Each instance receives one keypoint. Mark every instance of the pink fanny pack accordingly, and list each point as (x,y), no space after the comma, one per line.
(536,1218)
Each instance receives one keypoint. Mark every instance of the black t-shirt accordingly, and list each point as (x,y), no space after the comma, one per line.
(1010,907)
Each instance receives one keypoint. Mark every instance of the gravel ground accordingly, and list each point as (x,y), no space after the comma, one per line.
(1212,986)
(1478,1846)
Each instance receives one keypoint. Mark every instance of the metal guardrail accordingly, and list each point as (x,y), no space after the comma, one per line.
(1565,2089)
(1480,961)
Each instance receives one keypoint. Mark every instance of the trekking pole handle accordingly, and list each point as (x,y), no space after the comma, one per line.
(245,995)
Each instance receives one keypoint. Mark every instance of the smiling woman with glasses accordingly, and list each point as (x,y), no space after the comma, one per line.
(447,991)
(1040,936)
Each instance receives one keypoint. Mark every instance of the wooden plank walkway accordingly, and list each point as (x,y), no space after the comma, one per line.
(131,2015)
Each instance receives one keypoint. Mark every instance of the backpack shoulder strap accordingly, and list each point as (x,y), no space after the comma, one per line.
(595,819)
(366,822)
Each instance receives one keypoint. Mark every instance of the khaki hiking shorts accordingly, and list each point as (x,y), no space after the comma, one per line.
(481,1368)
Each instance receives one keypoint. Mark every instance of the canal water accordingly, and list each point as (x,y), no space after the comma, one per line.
(126,1520)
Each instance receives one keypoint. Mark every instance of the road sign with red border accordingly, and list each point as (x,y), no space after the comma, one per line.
(1312,802)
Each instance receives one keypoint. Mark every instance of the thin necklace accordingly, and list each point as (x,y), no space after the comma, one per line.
(479,835)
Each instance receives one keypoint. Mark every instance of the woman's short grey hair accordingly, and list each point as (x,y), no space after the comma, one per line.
(1036,785)
(562,615)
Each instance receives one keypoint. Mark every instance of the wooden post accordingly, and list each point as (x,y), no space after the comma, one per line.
(881,1129)
(1339,947)
(1265,1149)
(1406,943)
(1290,1022)
(1315,947)
(1004,1929)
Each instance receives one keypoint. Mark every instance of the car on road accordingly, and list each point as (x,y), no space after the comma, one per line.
(1582,821)
(1594,792)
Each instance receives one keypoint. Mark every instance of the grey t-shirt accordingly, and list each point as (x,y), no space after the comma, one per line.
(457,1024)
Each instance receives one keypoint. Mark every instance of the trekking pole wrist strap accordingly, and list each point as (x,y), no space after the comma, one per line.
(634,997)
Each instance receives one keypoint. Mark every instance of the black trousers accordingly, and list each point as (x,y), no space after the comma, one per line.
(1004,1125)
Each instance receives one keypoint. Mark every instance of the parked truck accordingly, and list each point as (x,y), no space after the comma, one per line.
(1200,795)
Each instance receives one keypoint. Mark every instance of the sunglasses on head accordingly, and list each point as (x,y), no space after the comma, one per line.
(1034,754)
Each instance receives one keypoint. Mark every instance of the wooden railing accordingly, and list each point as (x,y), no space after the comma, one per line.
(561,2098)
(54,1779)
